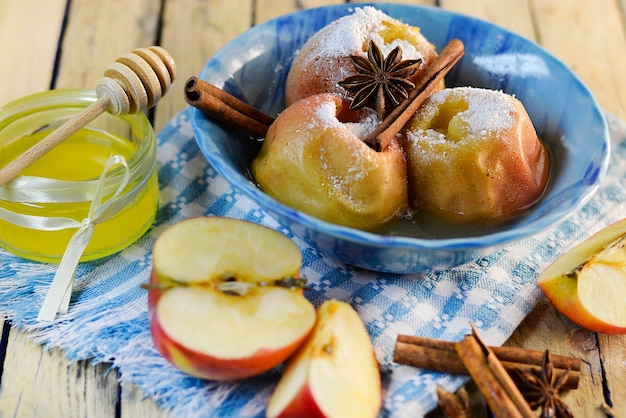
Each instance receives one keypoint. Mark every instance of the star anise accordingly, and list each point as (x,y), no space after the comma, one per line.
(542,389)
(383,82)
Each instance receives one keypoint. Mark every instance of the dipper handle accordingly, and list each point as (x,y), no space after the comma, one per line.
(133,83)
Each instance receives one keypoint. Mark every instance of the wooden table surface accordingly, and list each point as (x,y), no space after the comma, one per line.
(67,44)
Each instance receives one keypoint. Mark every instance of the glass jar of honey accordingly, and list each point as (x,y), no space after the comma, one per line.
(111,161)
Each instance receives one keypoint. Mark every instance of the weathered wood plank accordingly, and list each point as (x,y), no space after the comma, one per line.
(514,15)
(596,52)
(429,3)
(100,31)
(417,2)
(269,9)
(44,384)
(134,403)
(28,44)
(613,356)
(193,32)
(546,328)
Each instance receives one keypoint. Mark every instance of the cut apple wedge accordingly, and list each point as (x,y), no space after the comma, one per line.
(588,283)
(225,299)
(335,372)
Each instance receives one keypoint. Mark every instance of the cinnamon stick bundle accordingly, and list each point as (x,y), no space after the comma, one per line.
(502,396)
(441,356)
(217,104)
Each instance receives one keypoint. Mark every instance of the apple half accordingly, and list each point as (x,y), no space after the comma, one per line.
(225,299)
(588,283)
(334,373)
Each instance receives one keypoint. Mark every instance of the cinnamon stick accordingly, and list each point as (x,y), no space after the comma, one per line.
(217,104)
(441,356)
(502,396)
(380,137)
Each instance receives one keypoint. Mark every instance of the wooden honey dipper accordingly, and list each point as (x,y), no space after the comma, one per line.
(133,83)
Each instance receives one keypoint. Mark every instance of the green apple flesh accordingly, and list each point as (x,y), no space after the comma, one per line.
(335,372)
(588,283)
(215,307)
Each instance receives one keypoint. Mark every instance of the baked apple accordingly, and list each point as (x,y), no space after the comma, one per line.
(335,372)
(474,154)
(314,160)
(324,60)
(225,300)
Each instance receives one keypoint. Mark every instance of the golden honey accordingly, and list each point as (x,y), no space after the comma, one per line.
(61,185)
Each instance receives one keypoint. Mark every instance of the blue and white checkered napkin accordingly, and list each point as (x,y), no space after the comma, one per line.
(108,322)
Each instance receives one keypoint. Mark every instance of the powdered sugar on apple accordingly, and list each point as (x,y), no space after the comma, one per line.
(486,112)
(326,115)
(345,35)
(323,60)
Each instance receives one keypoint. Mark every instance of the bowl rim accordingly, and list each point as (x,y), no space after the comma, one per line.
(248,188)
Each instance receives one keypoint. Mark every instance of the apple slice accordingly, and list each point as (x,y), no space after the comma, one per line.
(335,372)
(225,301)
(588,283)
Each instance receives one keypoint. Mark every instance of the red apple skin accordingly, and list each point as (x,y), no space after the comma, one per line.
(205,366)
(563,294)
(562,291)
(314,354)
(208,367)
(302,406)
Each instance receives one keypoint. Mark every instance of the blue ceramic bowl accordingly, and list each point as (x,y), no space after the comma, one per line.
(254,67)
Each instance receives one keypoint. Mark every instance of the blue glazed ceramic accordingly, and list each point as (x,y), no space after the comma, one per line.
(254,67)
